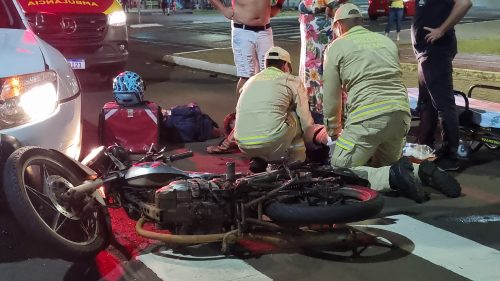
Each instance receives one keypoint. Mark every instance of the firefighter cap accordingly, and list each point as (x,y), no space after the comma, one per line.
(278,53)
(347,11)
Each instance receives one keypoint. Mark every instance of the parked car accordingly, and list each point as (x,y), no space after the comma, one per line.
(92,34)
(378,8)
(40,102)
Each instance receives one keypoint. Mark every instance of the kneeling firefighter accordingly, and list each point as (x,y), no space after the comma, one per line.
(366,65)
(272,115)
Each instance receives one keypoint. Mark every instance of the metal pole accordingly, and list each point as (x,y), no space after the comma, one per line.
(139,10)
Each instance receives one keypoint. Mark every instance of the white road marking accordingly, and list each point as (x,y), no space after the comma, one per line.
(194,268)
(145,25)
(204,50)
(455,253)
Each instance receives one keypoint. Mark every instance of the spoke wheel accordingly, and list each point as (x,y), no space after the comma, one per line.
(35,182)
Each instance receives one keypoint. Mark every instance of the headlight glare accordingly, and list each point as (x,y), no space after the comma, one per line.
(117,18)
(40,101)
(27,98)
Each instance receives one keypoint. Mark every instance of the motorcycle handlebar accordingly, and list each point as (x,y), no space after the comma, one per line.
(180,156)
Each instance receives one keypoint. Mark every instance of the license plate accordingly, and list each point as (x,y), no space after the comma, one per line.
(77,63)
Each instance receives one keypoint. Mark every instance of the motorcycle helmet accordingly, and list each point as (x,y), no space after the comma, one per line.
(128,88)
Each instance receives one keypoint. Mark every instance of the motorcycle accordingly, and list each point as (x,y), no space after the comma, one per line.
(64,203)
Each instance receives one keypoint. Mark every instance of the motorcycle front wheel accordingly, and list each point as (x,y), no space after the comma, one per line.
(34,181)
(347,204)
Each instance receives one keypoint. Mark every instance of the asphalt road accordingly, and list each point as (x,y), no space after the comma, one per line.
(442,239)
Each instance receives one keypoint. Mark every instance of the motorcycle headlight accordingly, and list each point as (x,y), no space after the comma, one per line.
(117,18)
(27,98)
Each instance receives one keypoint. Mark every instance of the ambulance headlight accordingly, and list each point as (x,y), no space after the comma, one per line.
(27,98)
(117,18)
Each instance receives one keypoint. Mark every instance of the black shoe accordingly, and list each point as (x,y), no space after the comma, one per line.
(430,174)
(447,163)
(257,165)
(401,178)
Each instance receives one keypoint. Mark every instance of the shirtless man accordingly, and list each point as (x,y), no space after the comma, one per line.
(251,34)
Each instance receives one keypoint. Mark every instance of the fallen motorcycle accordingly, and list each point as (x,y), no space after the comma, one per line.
(63,203)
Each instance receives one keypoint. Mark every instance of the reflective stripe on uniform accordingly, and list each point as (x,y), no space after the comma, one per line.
(297,147)
(376,107)
(344,144)
(257,139)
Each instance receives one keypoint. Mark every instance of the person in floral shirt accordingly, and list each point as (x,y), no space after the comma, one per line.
(316,33)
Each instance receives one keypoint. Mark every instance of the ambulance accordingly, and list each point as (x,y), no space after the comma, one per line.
(91,34)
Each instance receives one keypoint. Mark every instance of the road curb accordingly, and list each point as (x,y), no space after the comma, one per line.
(200,64)
(227,69)
(488,76)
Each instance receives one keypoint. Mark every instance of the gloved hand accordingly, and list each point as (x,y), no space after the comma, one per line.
(321,136)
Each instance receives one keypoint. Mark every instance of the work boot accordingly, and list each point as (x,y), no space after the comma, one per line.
(447,164)
(446,161)
(257,165)
(402,178)
(430,174)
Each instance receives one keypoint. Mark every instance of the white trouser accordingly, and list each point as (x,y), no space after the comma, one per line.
(249,49)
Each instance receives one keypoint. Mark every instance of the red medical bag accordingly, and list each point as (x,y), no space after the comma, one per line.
(135,128)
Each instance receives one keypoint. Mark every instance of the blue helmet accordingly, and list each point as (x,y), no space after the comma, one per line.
(128,88)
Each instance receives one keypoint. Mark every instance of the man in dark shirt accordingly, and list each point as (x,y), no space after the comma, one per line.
(435,46)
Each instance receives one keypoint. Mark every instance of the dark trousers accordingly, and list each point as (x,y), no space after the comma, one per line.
(436,102)
(395,15)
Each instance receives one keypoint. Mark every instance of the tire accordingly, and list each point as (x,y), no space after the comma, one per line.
(39,213)
(367,204)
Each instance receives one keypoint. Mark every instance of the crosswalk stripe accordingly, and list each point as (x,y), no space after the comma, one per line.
(145,25)
(218,268)
(455,253)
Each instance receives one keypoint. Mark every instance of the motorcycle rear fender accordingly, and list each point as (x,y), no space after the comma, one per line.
(82,170)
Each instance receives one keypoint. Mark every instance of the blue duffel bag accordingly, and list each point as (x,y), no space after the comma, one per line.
(190,123)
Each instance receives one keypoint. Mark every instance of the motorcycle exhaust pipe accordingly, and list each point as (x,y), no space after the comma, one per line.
(180,239)
(343,238)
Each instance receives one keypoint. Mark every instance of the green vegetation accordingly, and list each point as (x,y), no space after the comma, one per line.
(488,46)
(462,81)
(484,46)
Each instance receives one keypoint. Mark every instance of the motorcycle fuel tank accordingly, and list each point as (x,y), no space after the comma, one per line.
(152,174)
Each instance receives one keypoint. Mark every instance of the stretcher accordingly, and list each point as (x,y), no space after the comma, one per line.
(479,120)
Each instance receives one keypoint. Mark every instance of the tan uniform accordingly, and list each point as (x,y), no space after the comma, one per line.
(271,115)
(377,114)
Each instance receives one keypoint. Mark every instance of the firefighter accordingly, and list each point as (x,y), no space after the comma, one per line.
(377,113)
(272,115)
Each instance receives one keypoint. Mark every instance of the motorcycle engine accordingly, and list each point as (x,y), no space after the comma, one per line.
(192,207)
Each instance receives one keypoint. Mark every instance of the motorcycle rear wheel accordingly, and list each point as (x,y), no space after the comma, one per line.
(353,203)
(33,180)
